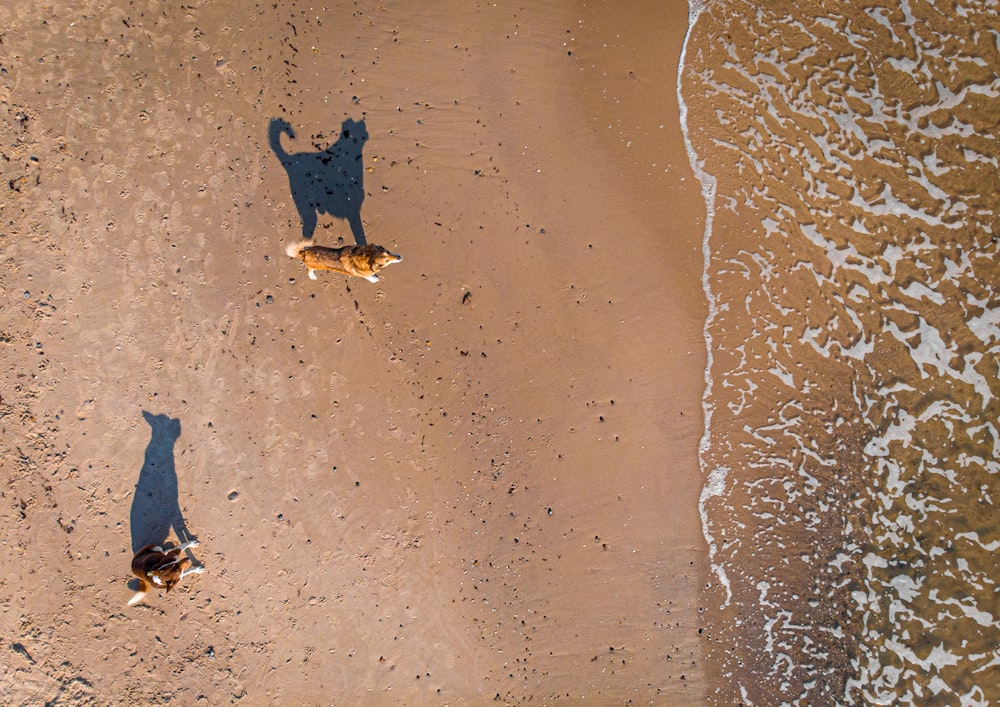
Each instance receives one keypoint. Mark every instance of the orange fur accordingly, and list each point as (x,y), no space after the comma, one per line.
(358,260)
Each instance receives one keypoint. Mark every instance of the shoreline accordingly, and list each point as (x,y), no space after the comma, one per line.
(477,478)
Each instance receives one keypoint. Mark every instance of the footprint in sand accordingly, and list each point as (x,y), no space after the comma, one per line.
(85,410)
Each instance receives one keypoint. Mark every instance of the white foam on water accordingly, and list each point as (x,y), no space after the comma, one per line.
(882,220)
(974,537)
(715,483)
(918,290)
(928,349)
(901,431)
(714,486)
(986,326)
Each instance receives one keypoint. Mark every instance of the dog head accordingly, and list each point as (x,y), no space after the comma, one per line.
(169,576)
(381,258)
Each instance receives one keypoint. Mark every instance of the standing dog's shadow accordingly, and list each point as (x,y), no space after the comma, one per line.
(329,181)
(155,508)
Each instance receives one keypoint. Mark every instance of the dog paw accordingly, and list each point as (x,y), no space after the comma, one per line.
(372,278)
(312,274)
(197,569)
(193,543)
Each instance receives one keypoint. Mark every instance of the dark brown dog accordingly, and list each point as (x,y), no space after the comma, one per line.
(161,569)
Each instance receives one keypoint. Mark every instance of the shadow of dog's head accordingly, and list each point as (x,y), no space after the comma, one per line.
(353,132)
(163,425)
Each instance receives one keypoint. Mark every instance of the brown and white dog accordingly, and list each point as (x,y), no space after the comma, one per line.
(358,260)
(161,569)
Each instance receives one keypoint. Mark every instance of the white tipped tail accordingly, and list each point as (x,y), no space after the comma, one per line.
(294,250)
(139,596)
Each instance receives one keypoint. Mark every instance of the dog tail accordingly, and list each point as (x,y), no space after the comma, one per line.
(294,250)
(141,594)
(274,131)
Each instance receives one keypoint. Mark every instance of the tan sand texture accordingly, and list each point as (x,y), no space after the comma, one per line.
(473,481)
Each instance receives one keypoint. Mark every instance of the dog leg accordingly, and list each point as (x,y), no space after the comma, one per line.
(185,546)
(197,569)
(372,278)
(312,274)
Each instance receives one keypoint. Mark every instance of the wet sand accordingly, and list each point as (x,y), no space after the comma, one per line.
(476,479)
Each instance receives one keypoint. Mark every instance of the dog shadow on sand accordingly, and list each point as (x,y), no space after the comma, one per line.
(155,508)
(329,181)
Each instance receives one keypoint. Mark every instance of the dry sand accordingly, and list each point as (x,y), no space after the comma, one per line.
(474,480)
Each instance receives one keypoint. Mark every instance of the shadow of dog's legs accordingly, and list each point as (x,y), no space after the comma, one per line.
(307,212)
(357,230)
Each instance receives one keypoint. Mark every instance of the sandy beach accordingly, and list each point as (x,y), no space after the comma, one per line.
(476,480)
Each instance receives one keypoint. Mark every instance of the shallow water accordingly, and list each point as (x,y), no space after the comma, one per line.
(849,159)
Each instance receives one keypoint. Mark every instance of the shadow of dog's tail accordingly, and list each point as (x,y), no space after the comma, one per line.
(274,131)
